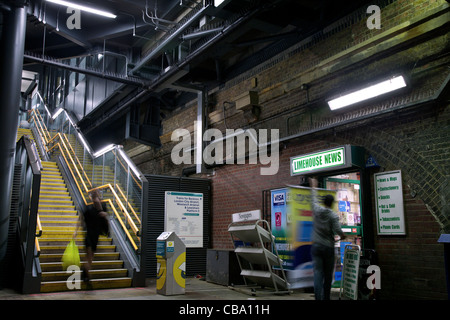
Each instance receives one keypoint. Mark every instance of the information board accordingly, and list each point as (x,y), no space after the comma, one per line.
(389,203)
(184,216)
(349,283)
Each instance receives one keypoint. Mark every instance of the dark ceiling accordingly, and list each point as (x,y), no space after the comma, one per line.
(207,47)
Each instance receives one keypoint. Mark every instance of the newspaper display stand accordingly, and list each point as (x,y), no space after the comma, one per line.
(349,282)
(257,255)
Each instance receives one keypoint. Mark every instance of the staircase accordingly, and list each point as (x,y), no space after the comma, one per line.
(59,220)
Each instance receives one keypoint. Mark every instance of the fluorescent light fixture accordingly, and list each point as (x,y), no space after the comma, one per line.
(367,93)
(57,113)
(70,119)
(129,162)
(48,111)
(218,2)
(83,8)
(104,150)
(86,146)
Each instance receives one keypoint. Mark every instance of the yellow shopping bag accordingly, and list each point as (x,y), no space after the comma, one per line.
(71,255)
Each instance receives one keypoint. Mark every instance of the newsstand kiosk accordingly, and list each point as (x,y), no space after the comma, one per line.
(343,172)
(171,264)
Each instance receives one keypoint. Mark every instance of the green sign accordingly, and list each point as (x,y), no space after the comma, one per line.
(349,282)
(389,201)
(318,161)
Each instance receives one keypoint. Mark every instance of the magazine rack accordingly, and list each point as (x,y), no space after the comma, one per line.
(257,263)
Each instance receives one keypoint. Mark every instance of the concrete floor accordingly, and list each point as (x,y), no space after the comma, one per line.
(196,289)
(201,300)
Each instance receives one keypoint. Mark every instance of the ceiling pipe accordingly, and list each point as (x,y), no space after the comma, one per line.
(169,39)
(164,78)
(155,17)
(128,80)
(157,26)
(199,34)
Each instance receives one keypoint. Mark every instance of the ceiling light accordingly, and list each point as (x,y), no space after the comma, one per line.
(57,113)
(104,150)
(367,93)
(218,2)
(83,8)
(130,163)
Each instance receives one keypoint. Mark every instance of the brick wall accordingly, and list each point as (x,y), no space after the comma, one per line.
(414,140)
(412,266)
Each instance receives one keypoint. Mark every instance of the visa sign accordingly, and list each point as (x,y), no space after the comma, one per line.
(278,199)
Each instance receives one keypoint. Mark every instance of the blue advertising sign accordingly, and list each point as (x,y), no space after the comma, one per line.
(279,222)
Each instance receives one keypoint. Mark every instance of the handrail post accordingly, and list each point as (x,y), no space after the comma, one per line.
(28,212)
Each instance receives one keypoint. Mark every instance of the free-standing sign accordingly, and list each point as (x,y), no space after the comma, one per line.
(389,203)
(349,283)
(184,216)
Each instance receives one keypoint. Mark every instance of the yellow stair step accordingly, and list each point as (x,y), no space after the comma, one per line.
(109,264)
(96,284)
(94,274)
(63,241)
(81,248)
(98,256)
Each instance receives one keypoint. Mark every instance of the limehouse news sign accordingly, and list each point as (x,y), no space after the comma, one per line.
(324,160)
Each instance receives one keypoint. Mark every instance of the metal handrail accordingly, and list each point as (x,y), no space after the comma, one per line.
(27,157)
(78,161)
(132,175)
(128,202)
(121,205)
(123,225)
(58,142)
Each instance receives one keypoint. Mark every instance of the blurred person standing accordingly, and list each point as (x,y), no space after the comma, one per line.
(326,225)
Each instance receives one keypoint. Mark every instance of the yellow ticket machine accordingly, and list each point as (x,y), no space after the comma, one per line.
(171,264)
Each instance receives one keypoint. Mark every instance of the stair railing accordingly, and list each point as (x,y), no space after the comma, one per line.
(59,133)
(27,159)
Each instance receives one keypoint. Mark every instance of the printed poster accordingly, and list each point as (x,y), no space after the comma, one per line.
(280,229)
(292,225)
(184,216)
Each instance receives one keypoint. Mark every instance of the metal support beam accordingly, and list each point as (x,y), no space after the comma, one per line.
(11,63)
(134,80)
(199,129)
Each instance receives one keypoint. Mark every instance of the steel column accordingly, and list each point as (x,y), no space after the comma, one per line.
(11,63)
